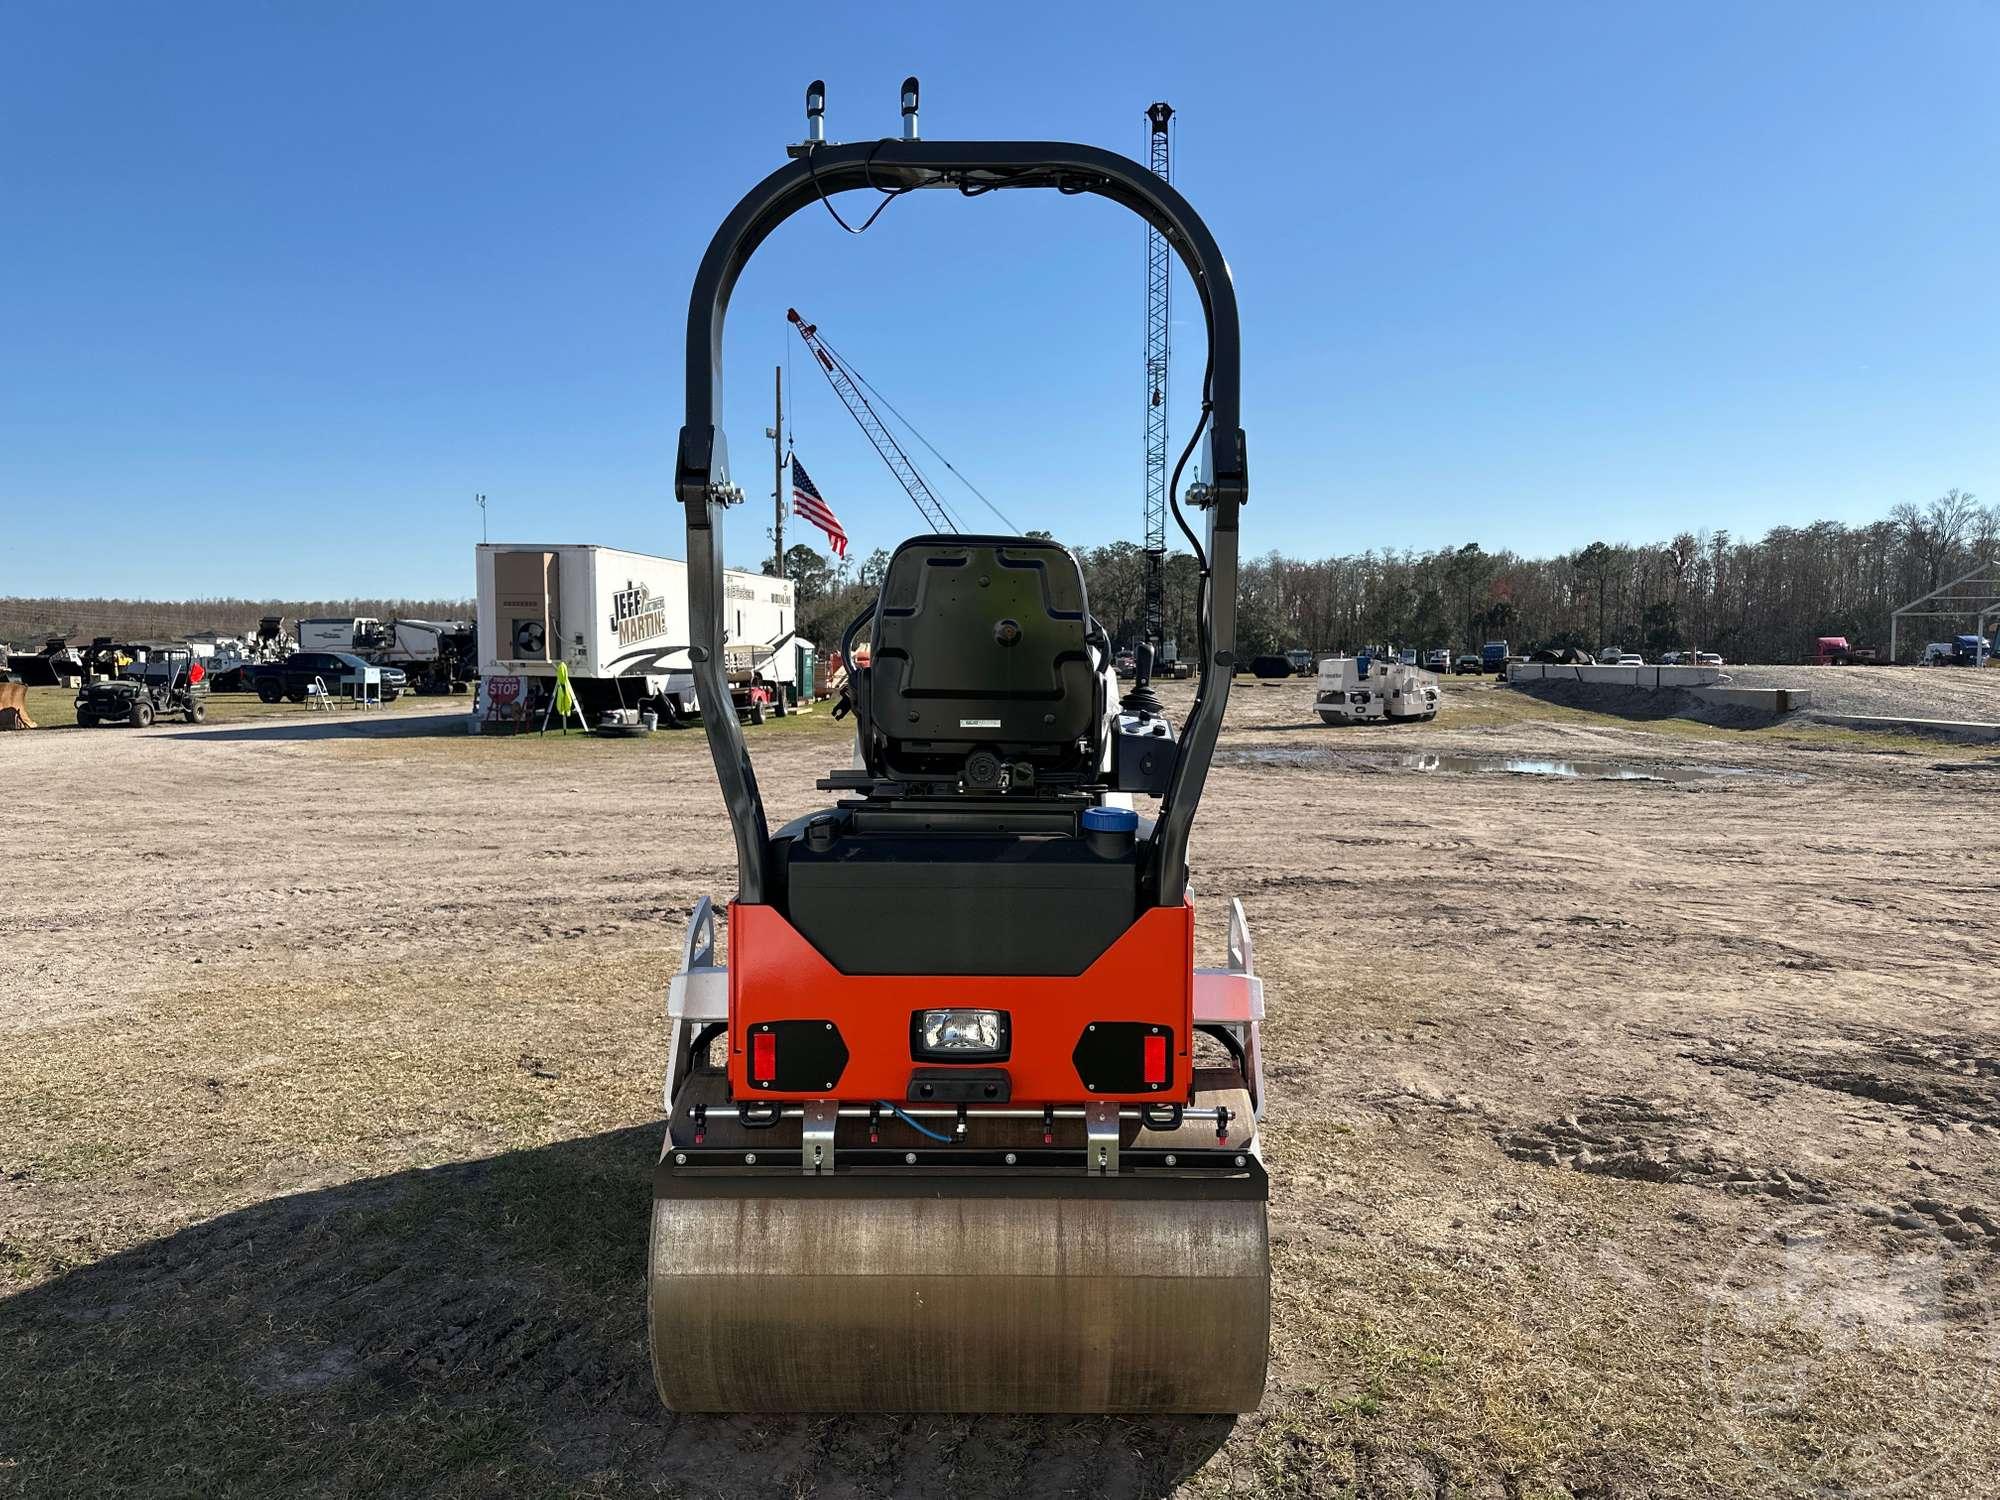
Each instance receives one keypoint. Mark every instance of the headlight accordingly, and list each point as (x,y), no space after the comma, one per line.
(959,1035)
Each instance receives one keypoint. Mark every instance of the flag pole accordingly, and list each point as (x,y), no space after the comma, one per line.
(778,472)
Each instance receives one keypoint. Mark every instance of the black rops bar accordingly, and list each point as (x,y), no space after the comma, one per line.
(702,472)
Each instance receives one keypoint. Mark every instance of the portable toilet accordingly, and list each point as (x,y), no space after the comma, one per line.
(807,679)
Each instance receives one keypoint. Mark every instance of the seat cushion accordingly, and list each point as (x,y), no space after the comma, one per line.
(981,643)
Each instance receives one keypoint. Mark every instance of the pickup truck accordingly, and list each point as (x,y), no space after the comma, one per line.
(338,670)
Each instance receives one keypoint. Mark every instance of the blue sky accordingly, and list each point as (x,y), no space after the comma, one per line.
(283,286)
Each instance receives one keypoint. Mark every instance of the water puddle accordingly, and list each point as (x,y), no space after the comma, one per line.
(1572,770)
(1509,765)
(1276,755)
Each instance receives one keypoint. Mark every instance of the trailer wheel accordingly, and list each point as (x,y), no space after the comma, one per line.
(778,704)
(142,714)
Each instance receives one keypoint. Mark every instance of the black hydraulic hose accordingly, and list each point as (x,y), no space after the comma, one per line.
(1204,634)
(847,640)
(1235,1048)
(703,1039)
(856,695)
(889,195)
(1174,484)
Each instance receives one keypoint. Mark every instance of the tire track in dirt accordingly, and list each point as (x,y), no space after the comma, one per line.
(1644,1141)
(1942,1081)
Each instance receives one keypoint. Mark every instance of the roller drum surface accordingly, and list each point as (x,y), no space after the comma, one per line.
(946,1296)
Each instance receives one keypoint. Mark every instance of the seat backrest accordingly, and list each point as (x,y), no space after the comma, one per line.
(983,643)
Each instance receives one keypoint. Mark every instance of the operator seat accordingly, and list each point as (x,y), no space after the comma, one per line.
(981,722)
(982,644)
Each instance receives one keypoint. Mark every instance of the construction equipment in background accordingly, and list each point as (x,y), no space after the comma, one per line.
(853,389)
(57,664)
(14,705)
(1834,651)
(358,634)
(435,656)
(847,386)
(940,1135)
(1357,689)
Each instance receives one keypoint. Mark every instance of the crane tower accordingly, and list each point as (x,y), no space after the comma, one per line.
(848,389)
(1159,289)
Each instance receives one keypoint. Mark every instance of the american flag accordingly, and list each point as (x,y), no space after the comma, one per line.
(807,503)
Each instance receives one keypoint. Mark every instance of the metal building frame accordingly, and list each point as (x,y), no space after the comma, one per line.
(1982,603)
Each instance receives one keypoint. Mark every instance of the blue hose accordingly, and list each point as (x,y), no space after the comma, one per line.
(943,1140)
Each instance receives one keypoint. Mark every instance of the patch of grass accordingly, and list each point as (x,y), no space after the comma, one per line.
(25,1260)
(448,1332)
(450,744)
(55,708)
(1486,705)
(66,1158)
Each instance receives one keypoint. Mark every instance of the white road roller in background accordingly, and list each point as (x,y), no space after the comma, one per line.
(1358,689)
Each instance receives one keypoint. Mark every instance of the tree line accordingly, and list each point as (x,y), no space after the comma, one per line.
(1751,599)
(1762,599)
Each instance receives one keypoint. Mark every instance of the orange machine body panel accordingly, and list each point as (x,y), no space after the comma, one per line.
(1147,976)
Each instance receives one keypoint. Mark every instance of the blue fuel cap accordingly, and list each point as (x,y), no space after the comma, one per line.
(1110,820)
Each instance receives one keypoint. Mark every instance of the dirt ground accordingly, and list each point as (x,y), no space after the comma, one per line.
(1629,1138)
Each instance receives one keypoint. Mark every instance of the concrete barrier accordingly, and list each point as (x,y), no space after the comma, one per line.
(1703,685)
(1610,676)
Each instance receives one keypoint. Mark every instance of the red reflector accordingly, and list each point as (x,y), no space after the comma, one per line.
(1156,1059)
(763,1057)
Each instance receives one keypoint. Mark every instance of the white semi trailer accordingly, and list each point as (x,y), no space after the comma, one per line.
(620,621)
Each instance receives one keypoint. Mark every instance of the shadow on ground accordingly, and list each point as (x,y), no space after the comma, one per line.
(468,1330)
(1643,704)
(352,725)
